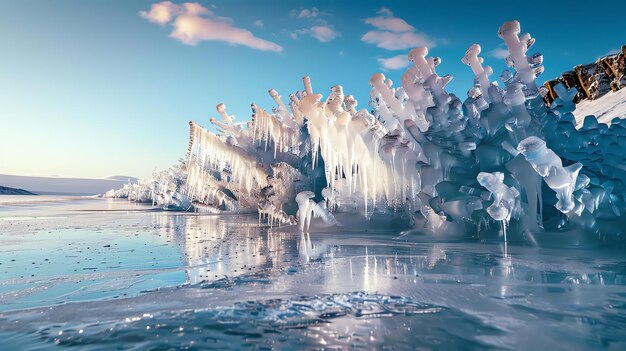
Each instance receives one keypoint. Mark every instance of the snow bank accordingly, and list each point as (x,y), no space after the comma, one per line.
(609,106)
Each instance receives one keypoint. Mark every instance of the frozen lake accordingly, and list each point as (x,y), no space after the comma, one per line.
(97,274)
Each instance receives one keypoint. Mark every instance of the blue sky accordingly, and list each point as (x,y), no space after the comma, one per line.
(96,88)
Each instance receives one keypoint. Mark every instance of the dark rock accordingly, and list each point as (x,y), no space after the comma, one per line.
(12,191)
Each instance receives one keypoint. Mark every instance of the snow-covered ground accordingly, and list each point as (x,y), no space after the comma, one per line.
(605,108)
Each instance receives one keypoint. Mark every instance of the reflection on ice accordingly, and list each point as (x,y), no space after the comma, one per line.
(226,280)
(305,248)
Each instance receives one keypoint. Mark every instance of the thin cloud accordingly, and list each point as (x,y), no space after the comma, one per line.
(258,23)
(320,29)
(499,53)
(323,33)
(394,33)
(193,23)
(384,11)
(394,63)
(388,22)
(295,35)
(308,13)
(398,41)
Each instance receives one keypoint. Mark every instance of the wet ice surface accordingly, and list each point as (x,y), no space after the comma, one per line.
(101,274)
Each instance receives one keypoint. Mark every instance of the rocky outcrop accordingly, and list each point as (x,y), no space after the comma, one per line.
(592,80)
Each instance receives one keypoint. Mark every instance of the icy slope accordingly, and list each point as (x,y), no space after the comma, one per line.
(605,108)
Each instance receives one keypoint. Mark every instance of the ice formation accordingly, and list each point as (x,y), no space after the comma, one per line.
(505,197)
(418,154)
(550,167)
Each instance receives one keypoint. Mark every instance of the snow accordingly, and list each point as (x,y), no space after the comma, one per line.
(609,106)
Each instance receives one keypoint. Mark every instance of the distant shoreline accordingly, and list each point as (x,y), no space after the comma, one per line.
(5,190)
(63,186)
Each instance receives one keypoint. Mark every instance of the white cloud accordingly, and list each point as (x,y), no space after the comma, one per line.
(393,63)
(390,23)
(320,29)
(258,23)
(193,23)
(307,13)
(398,41)
(500,53)
(323,33)
(161,13)
(393,33)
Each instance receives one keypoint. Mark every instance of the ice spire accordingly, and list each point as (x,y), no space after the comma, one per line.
(426,68)
(518,45)
(226,125)
(481,73)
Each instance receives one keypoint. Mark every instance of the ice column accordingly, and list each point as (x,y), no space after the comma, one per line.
(518,45)
(549,166)
(481,73)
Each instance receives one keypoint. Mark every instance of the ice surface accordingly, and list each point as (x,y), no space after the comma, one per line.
(99,274)
(418,156)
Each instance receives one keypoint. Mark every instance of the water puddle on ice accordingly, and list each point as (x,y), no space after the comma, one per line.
(110,278)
